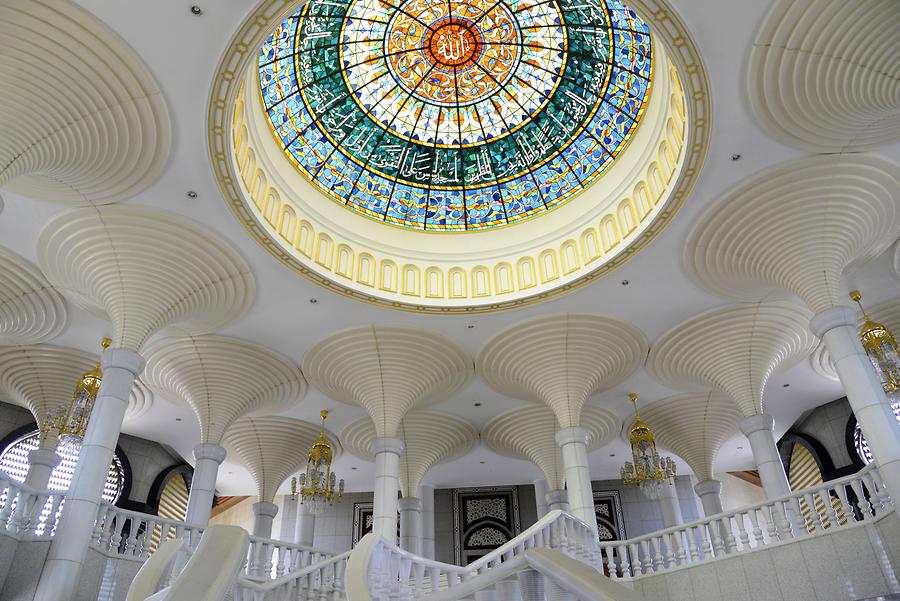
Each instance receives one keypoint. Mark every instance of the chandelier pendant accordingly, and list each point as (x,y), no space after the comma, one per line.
(647,469)
(881,347)
(318,487)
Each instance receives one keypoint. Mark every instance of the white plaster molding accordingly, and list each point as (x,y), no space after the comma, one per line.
(222,378)
(370,367)
(146,270)
(735,349)
(31,311)
(795,227)
(82,117)
(561,360)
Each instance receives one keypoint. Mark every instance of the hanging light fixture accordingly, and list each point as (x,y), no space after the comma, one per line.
(881,348)
(317,485)
(647,470)
(70,421)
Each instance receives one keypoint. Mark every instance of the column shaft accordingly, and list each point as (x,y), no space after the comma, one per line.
(41,463)
(836,327)
(305,532)
(426,493)
(760,431)
(557,499)
(411,524)
(207,459)
(387,486)
(289,519)
(573,444)
(540,497)
(710,493)
(59,578)
(669,506)
(263,516)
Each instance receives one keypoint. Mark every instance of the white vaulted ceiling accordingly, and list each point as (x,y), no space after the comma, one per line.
(776,220)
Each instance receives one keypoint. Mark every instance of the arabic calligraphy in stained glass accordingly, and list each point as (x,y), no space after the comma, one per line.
(456,115)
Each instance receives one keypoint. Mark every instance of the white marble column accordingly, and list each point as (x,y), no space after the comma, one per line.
(836,327)
(411,524)
(760,431)
(207,459)
(305,528)
(263,517)
(59,578)
(558,499)
(426,493)
(41,463)
(387,485)
(710,493)
(540,497)
(573,444)
(669,506)
(289,519)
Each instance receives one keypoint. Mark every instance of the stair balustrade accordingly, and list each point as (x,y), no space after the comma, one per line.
(26,513)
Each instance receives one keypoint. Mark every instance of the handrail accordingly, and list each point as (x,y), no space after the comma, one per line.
(326,577)
(859,497)
(270,558)
(393,574)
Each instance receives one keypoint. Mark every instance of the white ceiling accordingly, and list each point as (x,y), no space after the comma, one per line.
(182,50)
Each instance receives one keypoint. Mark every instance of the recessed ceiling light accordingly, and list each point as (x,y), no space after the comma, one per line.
(625,282)
(313,301)
(230,473)
(612,454)
(735,157)
(785,385)
(740,448)
(481,462)
(191,194)
(177,419)
(476,404)
(471,327)
(196,10)
(352,468)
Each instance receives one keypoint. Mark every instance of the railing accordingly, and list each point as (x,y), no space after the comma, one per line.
(136,535)
(392,574)
(28,513)
(270,558)
(841,503)
(321,581)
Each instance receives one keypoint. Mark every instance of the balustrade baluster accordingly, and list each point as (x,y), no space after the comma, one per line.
(646,557)
(861,502)
(743,536)
(147,540)
(695,545)
(785,530)
(134,525)
(875,500)
(12,492)
(637,565)
(718,541)
(727,530)
(831,519)
(656,552)
(624,562)
(680,553)
(670,550)
(55,506)
(756,531)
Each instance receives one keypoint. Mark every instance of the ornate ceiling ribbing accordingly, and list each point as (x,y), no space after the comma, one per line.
(272,448)
(824,75)
(530,433)
(387,370)
(735,349)
(694,426)
(31,311)
(222,378)
(146,270)
(561,360)
(431,437)
(795,227)
(42,377)
(469,114)
(83,119)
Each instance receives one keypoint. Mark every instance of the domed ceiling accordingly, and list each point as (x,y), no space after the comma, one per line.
(456,115)
(544,142)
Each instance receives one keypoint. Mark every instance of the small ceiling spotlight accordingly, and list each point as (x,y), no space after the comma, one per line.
(785,385)
(196,10)
(177,419)
(735,157)
(353,468)
(191,194)
(471,326)
(612,454)
(625,282)
(313,301)
(476,404)
(481,462)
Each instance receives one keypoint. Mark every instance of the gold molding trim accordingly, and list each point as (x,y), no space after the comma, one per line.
(349,268)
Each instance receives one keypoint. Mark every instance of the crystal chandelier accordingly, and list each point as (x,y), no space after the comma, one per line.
(70,421)
(881,348)
(317,485)
(647,470)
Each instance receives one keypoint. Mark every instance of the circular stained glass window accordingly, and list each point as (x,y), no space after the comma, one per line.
(457,115)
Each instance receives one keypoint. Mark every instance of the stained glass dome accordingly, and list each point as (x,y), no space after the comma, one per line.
(458,115)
